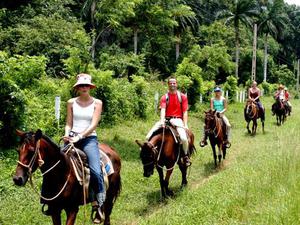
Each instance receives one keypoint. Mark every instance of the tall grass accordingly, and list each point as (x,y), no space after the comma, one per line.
(257,184)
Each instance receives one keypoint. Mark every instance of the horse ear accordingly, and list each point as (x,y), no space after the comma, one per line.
(20,133)
(38,135)
(139,143)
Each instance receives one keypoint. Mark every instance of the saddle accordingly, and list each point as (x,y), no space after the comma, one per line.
(80,167)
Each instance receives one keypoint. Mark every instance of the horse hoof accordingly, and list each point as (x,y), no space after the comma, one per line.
(170,193)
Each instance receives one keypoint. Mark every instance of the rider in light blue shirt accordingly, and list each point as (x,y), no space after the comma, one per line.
(219,103)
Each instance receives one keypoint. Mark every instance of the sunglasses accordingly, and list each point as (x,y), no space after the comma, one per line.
(83,85)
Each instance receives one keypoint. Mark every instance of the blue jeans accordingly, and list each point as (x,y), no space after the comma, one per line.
(90,146)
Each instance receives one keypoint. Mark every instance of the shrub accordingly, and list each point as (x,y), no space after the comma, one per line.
(190,80)
(231,86)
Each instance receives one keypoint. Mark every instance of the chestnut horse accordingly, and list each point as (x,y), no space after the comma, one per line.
(62,189)
(162,150)
(252,112)
(215,130)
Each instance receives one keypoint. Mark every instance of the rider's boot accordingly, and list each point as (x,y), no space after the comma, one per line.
(186,160)
(203,142)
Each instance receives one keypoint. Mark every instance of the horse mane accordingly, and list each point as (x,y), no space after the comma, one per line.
(51,142)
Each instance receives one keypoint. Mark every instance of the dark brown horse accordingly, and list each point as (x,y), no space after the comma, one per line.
(279,109)
(163,151)
(63,191)
(215,129)
(252,113)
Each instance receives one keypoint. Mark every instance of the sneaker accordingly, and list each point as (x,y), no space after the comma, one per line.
(203,143)
(227,144)
(97,215)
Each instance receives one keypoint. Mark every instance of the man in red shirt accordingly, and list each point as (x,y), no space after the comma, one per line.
(173,107)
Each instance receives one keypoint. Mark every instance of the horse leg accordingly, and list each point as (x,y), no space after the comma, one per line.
(167,178)
(56,218)
(254,126)
(263,126)
(249,131)
(224,151)
(213,146)
(71,216)
(108,205)
(111,195)
(161,182)
(220,153)
(183,170)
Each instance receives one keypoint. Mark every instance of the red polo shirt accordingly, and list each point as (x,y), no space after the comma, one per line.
(174,108)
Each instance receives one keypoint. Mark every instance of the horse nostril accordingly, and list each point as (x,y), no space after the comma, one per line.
(18,180)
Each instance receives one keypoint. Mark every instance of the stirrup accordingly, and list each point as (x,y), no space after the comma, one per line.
(97,216)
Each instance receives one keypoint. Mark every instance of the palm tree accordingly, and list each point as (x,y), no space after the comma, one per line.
(240,12)
(184,17)
(273,19)
(89,9)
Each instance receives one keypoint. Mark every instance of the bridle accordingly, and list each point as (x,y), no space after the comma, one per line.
(158,153)
(253,111)
(29,166)
(216,128)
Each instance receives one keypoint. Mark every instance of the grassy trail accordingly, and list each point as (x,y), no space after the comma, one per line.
(258,183)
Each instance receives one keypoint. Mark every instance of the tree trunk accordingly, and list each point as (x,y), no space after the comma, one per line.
(265,57)
(177,46)
(135,40)
(93,48)
(237,51)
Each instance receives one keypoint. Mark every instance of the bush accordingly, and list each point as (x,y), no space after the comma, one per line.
(11,111)
(231,86)
(189,80)
(123,64)
(268,88)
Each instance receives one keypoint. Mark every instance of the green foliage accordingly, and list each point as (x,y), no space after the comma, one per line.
(12,107)
(123,64)
(17,74)
(190,80)
(268,88)
(284,76)
(231,86)
(214,61)
(45,36)
(217,33)
(122,100)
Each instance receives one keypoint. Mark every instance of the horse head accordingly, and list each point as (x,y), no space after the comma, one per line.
(210,121)
(148,153)
(28,156)
(250,107)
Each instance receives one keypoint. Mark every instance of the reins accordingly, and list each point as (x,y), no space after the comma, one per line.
(41,163)
(154,148)
(253,111)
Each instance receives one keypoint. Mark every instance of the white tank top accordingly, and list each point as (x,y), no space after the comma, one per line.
(82,117)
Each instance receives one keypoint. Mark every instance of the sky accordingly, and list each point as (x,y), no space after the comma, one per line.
(291,2)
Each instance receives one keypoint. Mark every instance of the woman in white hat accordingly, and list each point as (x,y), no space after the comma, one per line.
(83,116)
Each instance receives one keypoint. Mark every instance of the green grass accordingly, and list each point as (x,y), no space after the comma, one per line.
(257,184)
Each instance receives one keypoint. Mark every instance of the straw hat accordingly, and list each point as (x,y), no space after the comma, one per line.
(280,86)
(84,78)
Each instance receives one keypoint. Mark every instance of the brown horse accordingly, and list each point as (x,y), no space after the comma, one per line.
(63,191)
(162,150)
(215,129)
(252,113)
(279,109)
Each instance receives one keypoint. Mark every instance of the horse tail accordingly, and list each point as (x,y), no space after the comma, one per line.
(192,149)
